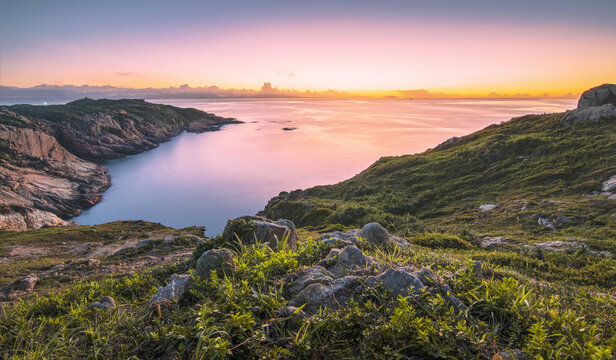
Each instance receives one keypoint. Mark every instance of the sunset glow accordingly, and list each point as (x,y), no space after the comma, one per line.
(363,51)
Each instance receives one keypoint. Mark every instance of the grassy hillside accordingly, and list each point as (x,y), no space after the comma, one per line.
(531,165)
(248,315)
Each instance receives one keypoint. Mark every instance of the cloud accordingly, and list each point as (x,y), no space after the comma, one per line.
(128,74)
(291,74)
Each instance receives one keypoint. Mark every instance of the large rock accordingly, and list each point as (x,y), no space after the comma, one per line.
(488,207)
(311,275)
(173,290)
(597,96)
(351,258)
(594,105)
(378,235)
(399,281)
(264,230)
(19,218)
(19,288)
(336,293)
(492,242)
(219,260)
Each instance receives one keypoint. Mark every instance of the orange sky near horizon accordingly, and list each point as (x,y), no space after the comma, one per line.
(366,57)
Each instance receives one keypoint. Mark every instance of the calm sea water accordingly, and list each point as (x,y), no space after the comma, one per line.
(206,179)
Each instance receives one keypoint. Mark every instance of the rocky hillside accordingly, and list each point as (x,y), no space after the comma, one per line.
(47,153)
(533,179)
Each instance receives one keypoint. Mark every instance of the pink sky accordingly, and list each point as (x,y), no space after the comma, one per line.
(363,55)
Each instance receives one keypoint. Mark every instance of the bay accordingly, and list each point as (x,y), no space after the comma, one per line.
(284,144)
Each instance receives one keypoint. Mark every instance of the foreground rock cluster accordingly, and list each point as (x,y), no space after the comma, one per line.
(345,271)
(47,168)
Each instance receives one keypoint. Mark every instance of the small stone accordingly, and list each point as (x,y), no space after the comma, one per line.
(106,302)
(173,290)
(477,269)
(488,207)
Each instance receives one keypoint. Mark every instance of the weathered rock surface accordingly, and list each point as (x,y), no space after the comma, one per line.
(595,104)
(488,207)
(173,290)
(43,175)
(106,302)
(219,260)
(572,244)
(266,231)
(610,184)
(493,242)
(19,288)
(372,232)
(399,281)
(597,96)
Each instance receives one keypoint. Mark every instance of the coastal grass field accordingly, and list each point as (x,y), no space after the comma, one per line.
(240,316)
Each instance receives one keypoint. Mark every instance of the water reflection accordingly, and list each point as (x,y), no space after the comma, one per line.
(205,179)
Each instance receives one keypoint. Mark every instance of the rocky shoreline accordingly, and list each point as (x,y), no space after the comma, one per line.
(49,154)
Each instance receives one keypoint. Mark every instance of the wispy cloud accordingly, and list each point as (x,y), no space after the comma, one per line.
(128,74)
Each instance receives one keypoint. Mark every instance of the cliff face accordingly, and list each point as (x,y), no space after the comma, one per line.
(110,129)
(46,152)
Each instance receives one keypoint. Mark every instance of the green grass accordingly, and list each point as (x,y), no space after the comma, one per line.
(239,317)
(441,189)
(52,242)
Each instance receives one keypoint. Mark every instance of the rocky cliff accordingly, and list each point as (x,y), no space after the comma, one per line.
(47,171)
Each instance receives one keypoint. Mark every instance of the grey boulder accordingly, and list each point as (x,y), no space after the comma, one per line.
(106,302)
(173,290)
(219,260)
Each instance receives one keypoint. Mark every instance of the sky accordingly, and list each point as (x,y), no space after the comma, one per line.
(461,47)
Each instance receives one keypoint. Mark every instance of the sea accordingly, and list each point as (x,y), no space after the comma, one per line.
(284,144)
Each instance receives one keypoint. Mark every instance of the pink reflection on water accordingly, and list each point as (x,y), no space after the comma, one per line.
(205,179)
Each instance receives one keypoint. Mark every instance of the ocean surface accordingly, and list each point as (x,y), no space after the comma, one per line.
(206,179)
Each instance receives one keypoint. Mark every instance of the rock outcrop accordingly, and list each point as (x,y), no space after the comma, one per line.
(173,290)
(219,260)
(46,152)
(594,104)
(19,288)
(610,184)
(260,229)
(371,232)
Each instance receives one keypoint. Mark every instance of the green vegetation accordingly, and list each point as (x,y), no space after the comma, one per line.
(520,162)
(240,317)
(437,240)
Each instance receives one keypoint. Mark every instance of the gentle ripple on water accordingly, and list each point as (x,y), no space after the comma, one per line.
(205,179)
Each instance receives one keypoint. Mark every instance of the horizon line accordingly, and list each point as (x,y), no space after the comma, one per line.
(266,91)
